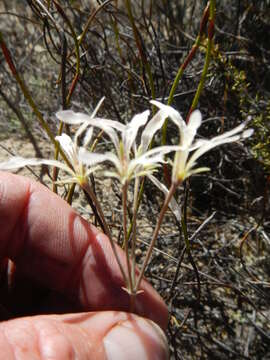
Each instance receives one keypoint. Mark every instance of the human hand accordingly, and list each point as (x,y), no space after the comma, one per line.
(63,264)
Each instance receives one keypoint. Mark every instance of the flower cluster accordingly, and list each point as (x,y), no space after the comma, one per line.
(131,158)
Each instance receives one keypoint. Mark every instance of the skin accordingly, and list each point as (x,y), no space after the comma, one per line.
(60,290)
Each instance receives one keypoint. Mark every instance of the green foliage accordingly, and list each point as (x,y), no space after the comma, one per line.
(261,148)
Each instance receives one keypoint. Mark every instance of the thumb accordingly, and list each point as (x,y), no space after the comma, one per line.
(97,335)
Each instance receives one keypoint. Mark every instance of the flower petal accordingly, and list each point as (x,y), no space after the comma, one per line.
(88,137)
(91,158)
(171,112)
(227,134)
(195,120)
(131,129)
(151,128)
(17,162)
(94,113)
(208,146)
(108,127)
(69,148)
(72,118)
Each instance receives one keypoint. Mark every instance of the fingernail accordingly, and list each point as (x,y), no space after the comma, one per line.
(136,339)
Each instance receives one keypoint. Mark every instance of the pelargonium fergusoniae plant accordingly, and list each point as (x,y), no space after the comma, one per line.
(78,171)
(129,161)
(184,163)
(185,160)
(125,165)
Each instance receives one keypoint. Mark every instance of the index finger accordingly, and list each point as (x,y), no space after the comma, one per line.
(52,244)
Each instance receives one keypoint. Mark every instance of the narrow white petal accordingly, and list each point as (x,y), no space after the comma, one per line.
(109,126)
(91,158)
(72,118)
(68,147)
(195,120)
(227,134)
(162,150)
(17,162)
(92,169)
(107,122)
(145,161)
(197,171)
(80,130)
(207,147)
(151,128)
(88,137)
(131,130)
(247,133)
(171,112)
(153,156)
(94,113)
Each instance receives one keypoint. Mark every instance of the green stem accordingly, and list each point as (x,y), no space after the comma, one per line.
(182,68)
(209,47)
(187,242)
(155,234)
(133,225)
(124,208)
(85,186)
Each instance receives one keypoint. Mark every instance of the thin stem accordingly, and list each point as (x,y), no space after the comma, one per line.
(156,231)
(90,19)
(134,234)
(210,31)
(70,193)
(93,207)
(141,48)
(187,241)
(85,186)
(124,208)
(182,68)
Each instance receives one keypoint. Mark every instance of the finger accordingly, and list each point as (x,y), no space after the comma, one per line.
(93,336)
(52,244)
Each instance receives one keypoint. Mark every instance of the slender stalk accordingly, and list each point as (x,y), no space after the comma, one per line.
(70,193)
(90,19)
(133,242)
(178,77)
(85,186)
(187,241)
(93,207)
(124,208)
(134,234)
(145,63)
(155,234)
(182,68)
(88,189)
(211,25)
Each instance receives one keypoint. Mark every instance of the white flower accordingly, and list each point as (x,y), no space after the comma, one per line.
(184,163)
(126,167)
(77,171)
